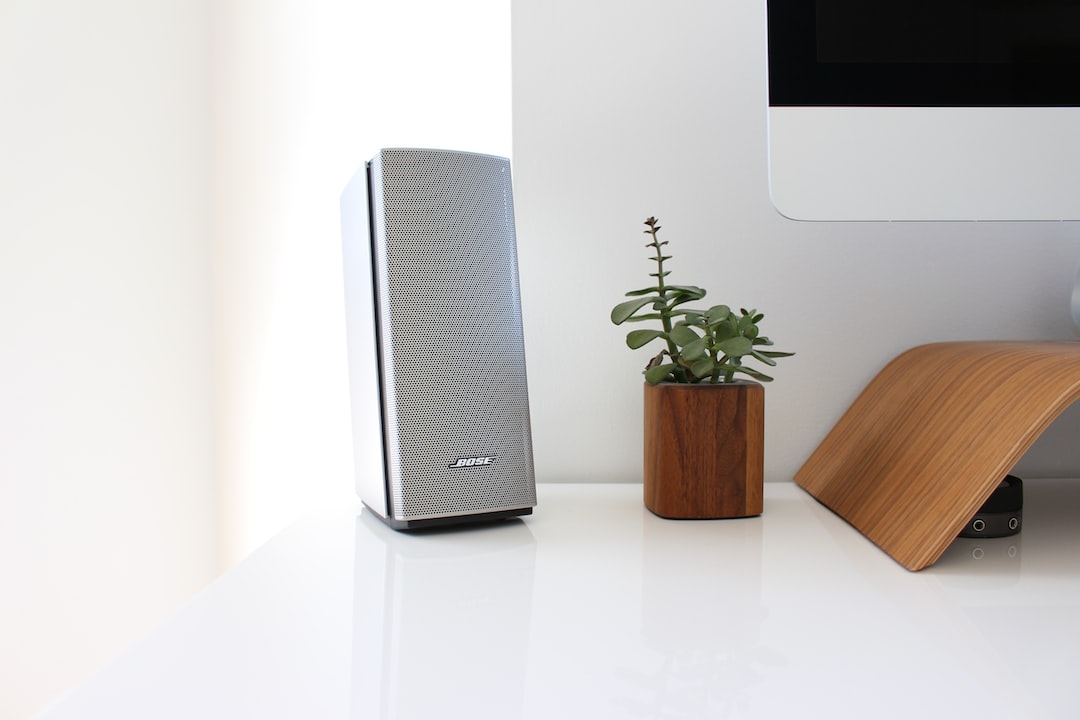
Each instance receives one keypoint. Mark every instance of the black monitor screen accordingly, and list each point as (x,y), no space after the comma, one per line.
(924,52)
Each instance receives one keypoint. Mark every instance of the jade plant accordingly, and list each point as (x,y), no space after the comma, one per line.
(700,346)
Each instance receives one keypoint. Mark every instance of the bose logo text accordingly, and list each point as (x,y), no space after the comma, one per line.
(473,461)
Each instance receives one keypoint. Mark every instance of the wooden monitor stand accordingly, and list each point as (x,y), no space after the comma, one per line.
(929,439)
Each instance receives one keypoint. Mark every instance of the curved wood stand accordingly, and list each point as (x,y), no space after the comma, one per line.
(928,440)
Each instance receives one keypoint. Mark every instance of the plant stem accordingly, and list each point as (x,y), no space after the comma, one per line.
(715,378)
(665,311)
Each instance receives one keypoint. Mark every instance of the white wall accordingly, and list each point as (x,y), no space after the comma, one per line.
(173,380)
(627,108)
(108,513)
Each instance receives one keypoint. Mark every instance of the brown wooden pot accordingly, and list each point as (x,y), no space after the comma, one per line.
(704,449)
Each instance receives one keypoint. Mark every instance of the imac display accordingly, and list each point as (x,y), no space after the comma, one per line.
(924,110)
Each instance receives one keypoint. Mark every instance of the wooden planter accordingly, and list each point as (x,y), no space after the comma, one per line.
(704,450)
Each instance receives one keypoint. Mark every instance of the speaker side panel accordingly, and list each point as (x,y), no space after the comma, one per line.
(452,350)
(367,430)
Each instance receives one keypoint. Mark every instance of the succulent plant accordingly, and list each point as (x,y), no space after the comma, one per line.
(700,346)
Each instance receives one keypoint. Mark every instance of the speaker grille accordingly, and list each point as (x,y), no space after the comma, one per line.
(453,356)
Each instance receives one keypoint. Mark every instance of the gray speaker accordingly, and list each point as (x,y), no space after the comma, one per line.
(439,397)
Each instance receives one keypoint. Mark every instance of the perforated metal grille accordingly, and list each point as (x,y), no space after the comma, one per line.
(453,351)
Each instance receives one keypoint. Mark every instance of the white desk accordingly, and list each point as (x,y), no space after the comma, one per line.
(594,608)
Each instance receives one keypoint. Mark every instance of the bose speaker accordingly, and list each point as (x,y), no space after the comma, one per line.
(439,397)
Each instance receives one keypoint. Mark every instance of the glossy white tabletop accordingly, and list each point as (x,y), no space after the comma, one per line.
(595,608)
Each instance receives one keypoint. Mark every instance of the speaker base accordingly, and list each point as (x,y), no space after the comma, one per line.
(452,519)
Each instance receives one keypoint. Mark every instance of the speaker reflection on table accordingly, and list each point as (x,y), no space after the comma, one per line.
(442,620)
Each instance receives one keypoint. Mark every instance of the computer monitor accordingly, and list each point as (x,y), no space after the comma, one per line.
(924,109)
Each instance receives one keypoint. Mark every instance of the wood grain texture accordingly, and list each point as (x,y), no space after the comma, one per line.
(928,440)
(704,450)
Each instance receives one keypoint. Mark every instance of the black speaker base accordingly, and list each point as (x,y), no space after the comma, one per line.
(453,520)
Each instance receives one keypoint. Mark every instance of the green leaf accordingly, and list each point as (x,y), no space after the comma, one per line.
(703,367)
(717,314)
(764,358)
(694,350)
(773,353)
(683,335)
(658,373)
(677,300)
(643,291)
(689,290)
(754,374)
(638,338)
(723,331)
(691,317)
(624,310)
(735,347)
